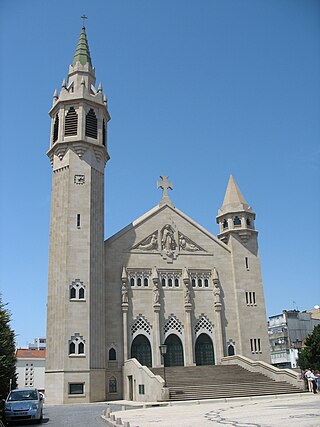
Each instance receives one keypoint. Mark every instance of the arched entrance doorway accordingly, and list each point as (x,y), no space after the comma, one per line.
(174,356)
(141,350)
(204,350)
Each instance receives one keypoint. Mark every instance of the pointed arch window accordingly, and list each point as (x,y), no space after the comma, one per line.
(76,345)
(236,221)
(113,385)
(71,122)
(248,221)
(55,128)
(91,124)
(77,290)
(112,354)
(225,224)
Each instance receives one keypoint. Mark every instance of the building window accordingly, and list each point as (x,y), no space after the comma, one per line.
(250,298)
(76,388)
(141,388)
(91,124)
(170,278)
(76,345)
(78,220)
(225,224)
(112,385)
(248,222)
(200,279)
(236,221)
(104,132)
(139,278)
(247,262)
(71,122)
(77,290)
(56,128)
(112,354)
(231,351)
(255,345)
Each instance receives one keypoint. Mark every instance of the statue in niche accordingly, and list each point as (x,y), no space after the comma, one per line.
(186,246)
(168,241)
(187,295)
(156,294)
(217,292)
(152,244)
(124,293)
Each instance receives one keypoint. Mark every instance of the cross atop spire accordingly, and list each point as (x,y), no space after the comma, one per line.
(165,185)
(83,17)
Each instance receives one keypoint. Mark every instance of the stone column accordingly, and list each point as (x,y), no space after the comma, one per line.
(156,362)
(218,324)
(188,342)
(124,306)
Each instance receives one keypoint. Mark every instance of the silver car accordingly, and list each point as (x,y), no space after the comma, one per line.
(24,404)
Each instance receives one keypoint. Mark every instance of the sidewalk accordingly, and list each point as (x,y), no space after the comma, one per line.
(301,410)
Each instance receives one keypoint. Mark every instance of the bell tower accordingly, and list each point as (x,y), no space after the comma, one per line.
(75,360)
(237,230)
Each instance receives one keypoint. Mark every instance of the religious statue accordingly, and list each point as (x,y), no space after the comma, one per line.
(124,293)
(156,293)
(185,245)
(187,295)
(151,243)
(168,241)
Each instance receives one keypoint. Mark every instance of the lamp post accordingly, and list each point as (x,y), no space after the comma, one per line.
(163,352)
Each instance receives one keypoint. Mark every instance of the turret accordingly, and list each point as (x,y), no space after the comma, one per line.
(235,215)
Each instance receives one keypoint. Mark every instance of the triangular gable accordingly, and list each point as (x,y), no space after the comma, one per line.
(185,243)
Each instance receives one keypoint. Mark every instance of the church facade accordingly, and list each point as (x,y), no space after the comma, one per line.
(163,279)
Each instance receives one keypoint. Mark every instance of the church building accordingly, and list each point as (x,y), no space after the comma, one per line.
(163,279)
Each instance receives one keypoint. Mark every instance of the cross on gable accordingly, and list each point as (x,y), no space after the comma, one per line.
(165,185)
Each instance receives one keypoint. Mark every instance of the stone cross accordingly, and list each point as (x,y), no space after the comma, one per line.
(83,17)
(164,185)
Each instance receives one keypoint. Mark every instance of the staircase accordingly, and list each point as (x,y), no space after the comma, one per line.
(216,382)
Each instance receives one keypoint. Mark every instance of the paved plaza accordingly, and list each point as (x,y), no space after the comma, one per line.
(301,410)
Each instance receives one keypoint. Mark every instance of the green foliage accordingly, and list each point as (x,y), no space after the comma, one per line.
(309,356)
(7,352)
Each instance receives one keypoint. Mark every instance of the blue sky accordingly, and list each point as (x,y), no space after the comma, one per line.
(197,91)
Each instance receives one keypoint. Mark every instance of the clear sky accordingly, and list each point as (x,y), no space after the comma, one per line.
(197,90)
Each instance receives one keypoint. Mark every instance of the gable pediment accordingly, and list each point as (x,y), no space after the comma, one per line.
(167,232)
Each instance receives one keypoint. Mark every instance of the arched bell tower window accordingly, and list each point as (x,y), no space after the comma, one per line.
(71,122)
(104,132)
(225,224)
(248,222)
(236,221)
(91,124)
(55,128)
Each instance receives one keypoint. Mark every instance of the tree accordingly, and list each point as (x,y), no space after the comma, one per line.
(7,352)
(309,356)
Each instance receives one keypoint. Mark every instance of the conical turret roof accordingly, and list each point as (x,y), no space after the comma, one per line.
(233,199)
(82,53)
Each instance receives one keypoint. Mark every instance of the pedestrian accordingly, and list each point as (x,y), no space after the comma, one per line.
(308,378)
(314,378)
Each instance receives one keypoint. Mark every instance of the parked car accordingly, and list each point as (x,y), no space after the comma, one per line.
(22,405)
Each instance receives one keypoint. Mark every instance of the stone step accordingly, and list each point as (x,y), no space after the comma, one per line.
(217,381)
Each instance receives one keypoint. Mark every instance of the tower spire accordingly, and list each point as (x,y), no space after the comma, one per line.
(235,215)
(82,53)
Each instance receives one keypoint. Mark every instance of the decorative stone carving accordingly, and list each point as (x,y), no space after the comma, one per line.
(185,244)
(124,290)
(150,243)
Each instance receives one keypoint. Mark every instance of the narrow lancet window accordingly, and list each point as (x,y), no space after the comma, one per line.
(71,122)
(91,124)
(104,132)
(56,128)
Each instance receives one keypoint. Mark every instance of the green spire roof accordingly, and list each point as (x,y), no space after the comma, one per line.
(82,52)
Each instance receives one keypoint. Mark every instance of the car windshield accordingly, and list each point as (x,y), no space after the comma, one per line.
(23,395)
